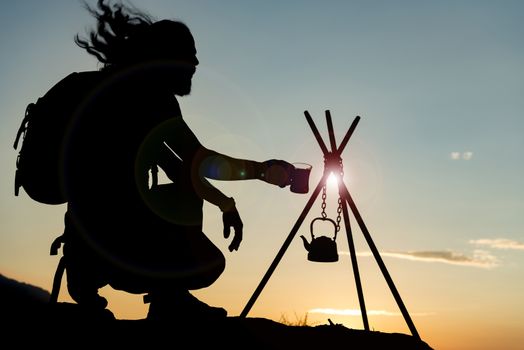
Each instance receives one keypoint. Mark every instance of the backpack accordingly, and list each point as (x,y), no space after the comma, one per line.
(42,133)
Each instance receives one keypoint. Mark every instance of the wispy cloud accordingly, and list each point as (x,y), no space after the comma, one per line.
(455,155)
(499,243)
(480,258)
(357,312)
(461,155)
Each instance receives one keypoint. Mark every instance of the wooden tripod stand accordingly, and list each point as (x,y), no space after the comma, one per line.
(333,164)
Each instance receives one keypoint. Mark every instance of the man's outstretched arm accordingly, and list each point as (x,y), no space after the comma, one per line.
(206,163)
(214,165)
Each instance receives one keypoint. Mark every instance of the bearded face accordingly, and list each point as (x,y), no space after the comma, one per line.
(167,51)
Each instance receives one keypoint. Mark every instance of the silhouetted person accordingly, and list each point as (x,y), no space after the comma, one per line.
(121,228)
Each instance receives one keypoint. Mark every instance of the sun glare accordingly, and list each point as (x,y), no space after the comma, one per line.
(332,181)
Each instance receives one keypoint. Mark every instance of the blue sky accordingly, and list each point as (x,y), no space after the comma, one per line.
(436,164)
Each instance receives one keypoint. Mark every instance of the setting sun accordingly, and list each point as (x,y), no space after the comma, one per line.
(332,180)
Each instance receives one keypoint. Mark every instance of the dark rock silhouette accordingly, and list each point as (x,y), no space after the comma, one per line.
(20,300)
(29,320)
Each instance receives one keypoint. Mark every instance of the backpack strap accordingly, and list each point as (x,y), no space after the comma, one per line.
(57,243)
(23,125)
(59,273)
(57,280)
(21,131)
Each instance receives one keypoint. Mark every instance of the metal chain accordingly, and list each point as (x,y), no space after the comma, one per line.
(339,209)
(323,206)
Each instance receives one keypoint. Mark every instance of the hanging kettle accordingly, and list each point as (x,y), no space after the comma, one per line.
(322,248)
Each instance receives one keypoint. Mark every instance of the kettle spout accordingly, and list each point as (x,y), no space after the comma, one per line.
(307,245)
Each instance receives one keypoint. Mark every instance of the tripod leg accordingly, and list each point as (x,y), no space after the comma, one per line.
(316,133)
(347,197)
(284,247)
(354,262)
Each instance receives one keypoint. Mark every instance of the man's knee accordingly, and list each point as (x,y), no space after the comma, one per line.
(209,273)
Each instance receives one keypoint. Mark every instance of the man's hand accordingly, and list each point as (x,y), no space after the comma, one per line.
(231,218)
(277,172)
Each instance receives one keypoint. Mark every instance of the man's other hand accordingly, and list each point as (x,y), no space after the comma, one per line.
(231,218)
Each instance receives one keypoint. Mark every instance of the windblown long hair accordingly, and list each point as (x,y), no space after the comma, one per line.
(116,23)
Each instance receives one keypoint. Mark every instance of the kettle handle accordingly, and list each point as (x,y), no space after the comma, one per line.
(323,219)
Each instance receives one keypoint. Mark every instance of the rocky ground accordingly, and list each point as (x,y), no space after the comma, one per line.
(29,321)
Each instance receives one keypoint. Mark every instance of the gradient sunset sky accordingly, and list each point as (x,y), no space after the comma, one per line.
(435,166)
